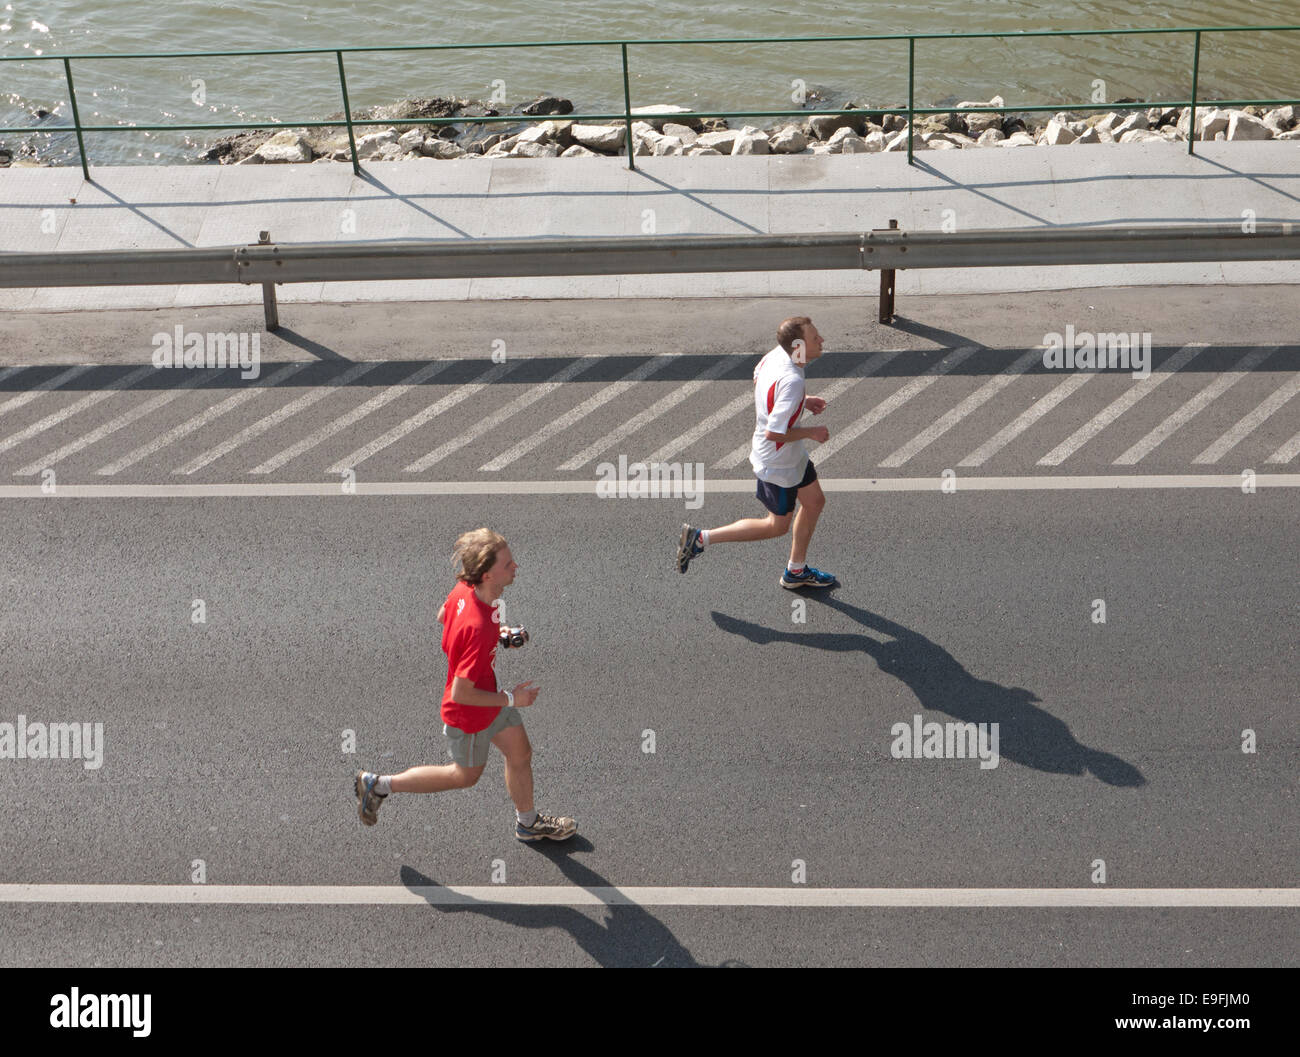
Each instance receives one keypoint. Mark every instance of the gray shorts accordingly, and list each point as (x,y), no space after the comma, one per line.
(471,750)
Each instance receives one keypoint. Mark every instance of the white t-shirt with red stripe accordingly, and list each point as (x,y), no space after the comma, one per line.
(778,401)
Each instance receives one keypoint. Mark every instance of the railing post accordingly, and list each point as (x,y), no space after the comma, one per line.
(627,112)
(1196,63)
(76,118)
(887,288)
(270,307)
(911,92)
(347,113)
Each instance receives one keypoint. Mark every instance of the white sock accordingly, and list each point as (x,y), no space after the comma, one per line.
(704,537)
(384,785)
(526,819)
(794,568)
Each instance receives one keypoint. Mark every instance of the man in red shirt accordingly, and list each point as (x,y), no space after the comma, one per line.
(475,714)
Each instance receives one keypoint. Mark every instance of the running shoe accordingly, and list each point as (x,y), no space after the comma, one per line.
(688,547)
(368,801)
(546,826)
(810,577)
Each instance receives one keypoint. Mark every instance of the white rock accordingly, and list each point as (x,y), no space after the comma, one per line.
(1243,126)
(843,135)
(1057,134)
(579,151)
(682,132)
(535,134)
(411,140)
(694,150)
(874,141)
(662,146)
(721,141)
(898,141)
(599,137)
(368,146)
(664,109)
(1293,134)
(1088,135)
(1018,139)
(442,148)
(1281,119)
(285,147)
(1108,122)
(528,149)
(979,123)
(989,137)
(1141,135)
(751,141)
(389,152)
(1209,123)
(788,140)
(1135,120)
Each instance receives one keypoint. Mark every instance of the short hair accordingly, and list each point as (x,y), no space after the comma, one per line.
(476,553)
(790,331)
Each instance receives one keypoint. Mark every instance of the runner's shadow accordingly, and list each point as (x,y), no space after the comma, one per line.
(614,936)
(1029,735)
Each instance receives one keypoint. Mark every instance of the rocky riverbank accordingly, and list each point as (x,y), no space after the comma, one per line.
(968,124)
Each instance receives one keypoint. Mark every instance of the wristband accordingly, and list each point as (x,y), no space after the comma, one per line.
(510,699)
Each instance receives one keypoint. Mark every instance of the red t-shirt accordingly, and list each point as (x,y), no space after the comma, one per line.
(469,639)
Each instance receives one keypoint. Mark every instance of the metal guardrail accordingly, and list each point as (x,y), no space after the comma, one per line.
(884,249)
(626,116)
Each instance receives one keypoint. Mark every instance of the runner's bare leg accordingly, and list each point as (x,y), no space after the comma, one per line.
(812,500)
(517,750)
(432,779)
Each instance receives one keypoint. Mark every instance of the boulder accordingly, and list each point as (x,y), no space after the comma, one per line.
(389,152)
(1141,135)
(897,141)
(1282,119)
(788,140)
(722,141)
(368,146)
(1057,134)
(695,149)
(579,151)
(1243,126)
(529,149)
(682,132)
(836,144)
(990,137)
(547,104)
(751,141)
(443,149)
(534,134)
(681,115)
(284,147)
(1136,119)
(874,141)
(1211,122)
(824,126)
(1292,134)
(412,139)
(1018,139)
(599,137)
(1088,135)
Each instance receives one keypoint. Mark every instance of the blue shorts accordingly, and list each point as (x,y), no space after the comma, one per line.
(781,500)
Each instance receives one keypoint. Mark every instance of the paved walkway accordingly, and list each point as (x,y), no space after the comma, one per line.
(1072,186)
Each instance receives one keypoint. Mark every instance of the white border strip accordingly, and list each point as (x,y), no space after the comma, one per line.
(571,896)
(1043,483)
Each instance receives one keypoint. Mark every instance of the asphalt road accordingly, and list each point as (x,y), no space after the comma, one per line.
(1119,741)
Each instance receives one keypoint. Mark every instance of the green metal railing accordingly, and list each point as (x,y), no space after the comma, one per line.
(626,116)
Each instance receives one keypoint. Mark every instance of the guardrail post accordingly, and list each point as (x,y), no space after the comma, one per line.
(1191,124)
(887,288)
(627,112)
(270,306)
(76,118)
(911,92)
(347,113)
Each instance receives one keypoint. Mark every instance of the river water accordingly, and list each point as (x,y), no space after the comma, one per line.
(701,76)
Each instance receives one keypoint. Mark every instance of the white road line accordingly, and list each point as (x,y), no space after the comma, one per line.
(113,425)
(189,426)
(835,389)
(44,387)
(1250,423)
(638,374)
(1023,421)
(1287,452)
(891,403)
(534,393)
(649,414)
(1040,483)
(90,400)
(1193,407)
(312,396)
(954,415)
(675,896)
(355,415)
(462,392)
(1103,418)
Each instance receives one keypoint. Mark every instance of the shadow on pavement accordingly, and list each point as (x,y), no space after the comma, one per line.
(613,936)
(1030,736)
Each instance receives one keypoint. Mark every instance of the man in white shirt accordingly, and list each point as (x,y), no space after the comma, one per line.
(786,476)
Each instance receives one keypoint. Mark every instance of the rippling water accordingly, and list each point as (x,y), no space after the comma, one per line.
(703,76)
